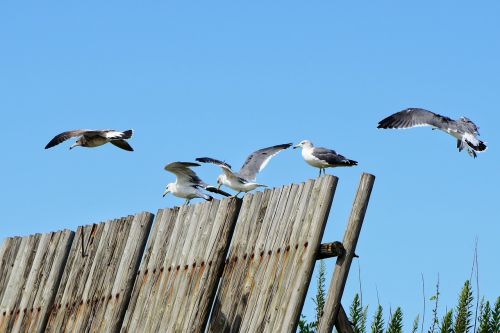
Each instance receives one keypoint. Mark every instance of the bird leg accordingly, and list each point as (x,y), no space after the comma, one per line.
(236,195)
(187,202)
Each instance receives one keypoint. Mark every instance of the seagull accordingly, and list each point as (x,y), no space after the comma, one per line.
(187,184)
(94,138)
(244,180)
(322,158)
(463,129)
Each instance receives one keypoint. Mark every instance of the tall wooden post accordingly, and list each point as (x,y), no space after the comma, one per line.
(332,304)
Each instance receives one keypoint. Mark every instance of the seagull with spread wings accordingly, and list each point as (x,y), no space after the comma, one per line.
(94,138)
(244,180)
(463,129)
(187,183)
(322,158)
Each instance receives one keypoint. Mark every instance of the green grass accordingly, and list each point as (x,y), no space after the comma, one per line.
(461,319)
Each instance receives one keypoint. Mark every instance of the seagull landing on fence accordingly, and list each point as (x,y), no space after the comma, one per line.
(322,158)
(94,138)
(244,180)
(187,183)
(463,129)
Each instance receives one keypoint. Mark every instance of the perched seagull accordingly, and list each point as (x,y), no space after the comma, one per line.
(244,180)
(463,129)
(187,184)
(94,138)
(322,158)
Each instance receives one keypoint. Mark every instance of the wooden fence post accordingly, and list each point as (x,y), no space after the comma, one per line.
(336,289)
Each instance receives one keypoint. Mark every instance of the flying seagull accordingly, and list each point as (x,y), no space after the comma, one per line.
(322,158)
(187,184)
(244,180)
(463,129)
(94,138)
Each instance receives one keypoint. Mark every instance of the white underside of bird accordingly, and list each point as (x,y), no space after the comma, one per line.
(312,160)
(185,191)
(237,184)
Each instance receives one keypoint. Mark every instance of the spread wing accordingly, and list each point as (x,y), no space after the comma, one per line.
(226,168)
(65,136)
(122,144)
(184,174)
(414,117)
(213,161)
(258,161)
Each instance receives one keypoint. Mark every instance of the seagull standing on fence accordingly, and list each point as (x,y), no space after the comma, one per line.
(94,138)
(244,180)
(322,158)
(463,129)
(187,183)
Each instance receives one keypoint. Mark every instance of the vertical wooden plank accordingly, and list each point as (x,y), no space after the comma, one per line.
(95,289)
(271,258)
(181,268)
(30,277)
(343,263)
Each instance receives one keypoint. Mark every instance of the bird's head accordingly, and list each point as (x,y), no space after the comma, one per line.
(76,144)
(303,143)
(168,189)
(220,181)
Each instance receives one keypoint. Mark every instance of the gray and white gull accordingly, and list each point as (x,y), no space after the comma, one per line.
(187,183)
(245,179)
(322,158)
(94,138)
(463,129)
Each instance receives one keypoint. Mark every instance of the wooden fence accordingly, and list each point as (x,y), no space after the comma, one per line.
(248,261)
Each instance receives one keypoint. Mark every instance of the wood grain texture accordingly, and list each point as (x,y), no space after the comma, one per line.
(271,259)
(95,290)
(343,264)
(181,267)
(31,269)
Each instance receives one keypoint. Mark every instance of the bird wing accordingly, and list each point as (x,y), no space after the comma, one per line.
(226,168)
(213,161)
(414,117)
(331,157)
(469,125)
(65,136)
(184,174)
(258,161)
(122,144)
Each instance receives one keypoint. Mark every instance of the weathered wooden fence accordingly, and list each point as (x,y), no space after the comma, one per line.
(181,268)
(29,278)
(250,260)
(95,289)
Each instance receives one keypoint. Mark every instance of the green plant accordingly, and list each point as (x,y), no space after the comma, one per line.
(358,315)
(447,323)
(485,318)
(415,324)
(396,322)
(378,321)
(464,313)
(495,317)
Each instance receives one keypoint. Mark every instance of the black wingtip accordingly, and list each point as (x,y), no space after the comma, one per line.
(386,122)
(212,160)
(216,190)
(127,134)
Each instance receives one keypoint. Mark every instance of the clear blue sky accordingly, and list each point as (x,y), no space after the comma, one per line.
(223,79)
